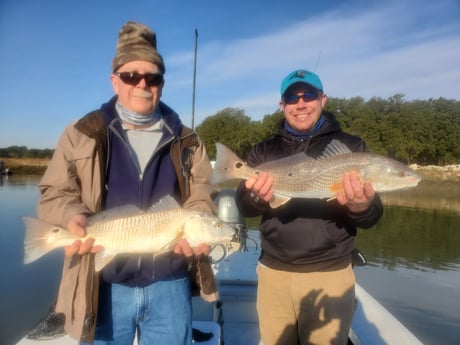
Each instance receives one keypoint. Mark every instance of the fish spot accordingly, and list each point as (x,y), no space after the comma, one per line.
(290,174)
(256,172)
(55,230)
(402,173)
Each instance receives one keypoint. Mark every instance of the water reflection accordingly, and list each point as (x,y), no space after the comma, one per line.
(31,181)
(442,195)
(26,291)
(413,238)
(414,260)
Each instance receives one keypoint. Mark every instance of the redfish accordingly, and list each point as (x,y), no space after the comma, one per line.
(301,176)
(128,230)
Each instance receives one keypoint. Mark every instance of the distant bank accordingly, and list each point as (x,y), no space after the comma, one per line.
(439,173)
(25,166)
(37,166)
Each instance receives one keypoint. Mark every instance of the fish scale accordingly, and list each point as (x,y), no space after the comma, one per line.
(320,174)
(135,230)
(164,227)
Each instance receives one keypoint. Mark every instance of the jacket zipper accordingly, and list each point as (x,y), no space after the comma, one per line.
(128,147)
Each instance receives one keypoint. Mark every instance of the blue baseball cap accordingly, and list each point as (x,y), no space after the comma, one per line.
(301,76)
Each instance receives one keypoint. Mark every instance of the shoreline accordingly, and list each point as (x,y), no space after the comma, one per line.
(435,173)
(26,166)
(37,166)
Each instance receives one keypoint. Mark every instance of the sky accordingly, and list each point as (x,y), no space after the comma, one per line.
(55,56)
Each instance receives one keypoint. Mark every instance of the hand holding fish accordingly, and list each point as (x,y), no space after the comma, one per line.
(356,195)
(261,185)
(183,247)
(76,225)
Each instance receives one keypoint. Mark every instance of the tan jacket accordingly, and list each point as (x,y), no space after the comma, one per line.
(73,184)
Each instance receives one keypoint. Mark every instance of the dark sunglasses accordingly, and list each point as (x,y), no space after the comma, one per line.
(133,78)
(307,97)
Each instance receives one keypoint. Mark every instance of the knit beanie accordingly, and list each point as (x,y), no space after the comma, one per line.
(136,42)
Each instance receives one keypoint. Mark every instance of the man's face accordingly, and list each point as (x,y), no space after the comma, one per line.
(302,114)
(140,98)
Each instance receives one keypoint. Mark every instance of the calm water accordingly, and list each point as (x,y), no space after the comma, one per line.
(413,255)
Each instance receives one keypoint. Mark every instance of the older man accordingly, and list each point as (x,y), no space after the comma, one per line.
(133,150)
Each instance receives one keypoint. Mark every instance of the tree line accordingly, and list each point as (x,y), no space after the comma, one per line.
(419,131)
(24,152)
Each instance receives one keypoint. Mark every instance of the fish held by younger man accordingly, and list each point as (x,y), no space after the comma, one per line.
(300,176)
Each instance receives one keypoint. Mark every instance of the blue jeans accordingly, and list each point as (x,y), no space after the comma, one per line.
(161,313)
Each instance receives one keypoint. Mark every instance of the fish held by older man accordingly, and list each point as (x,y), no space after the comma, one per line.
(301,176)
(128,230)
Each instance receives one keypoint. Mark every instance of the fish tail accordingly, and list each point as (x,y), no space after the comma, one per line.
(225,166)
(37,239)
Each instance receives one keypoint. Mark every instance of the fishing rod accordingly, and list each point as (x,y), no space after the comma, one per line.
(194,81)
(317,61)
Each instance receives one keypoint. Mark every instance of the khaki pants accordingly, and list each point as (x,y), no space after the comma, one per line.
(305,308)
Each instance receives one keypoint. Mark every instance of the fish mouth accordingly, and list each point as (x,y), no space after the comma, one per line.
(231,235)
(411,182)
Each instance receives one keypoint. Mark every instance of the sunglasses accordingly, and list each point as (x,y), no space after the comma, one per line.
(133,78)
(307,97)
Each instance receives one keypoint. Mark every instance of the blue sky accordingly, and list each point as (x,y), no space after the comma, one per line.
(56,55)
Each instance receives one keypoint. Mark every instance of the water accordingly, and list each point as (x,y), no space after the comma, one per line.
(414,260)
(26,291)
(413,256)
(414,270)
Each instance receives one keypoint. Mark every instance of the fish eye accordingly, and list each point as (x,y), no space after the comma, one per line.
(238,165)
(219,226)
(290,174)
(256,172)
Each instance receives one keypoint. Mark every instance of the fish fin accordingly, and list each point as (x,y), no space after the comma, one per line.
(114,213)
(279,200)
(336,187)
(37,238)
(334,148)
(102,259)
(167,202)
(226,164)
(282,163)
(170,245)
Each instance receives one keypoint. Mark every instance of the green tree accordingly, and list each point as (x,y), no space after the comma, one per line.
(231,127)
(418,131)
